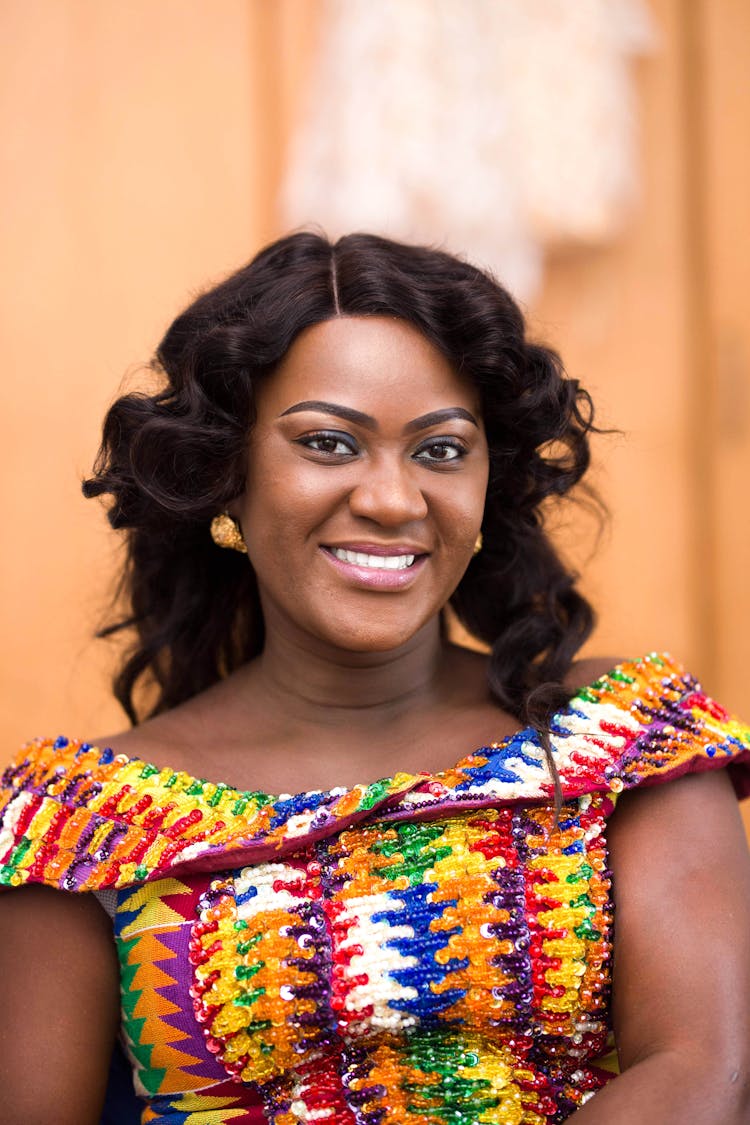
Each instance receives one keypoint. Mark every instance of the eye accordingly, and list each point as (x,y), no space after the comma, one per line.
(329,443)
(441,451)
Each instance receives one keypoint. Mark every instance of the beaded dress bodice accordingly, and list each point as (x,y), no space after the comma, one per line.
(427,950)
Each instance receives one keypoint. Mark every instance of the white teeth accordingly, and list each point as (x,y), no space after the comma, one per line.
(377,562)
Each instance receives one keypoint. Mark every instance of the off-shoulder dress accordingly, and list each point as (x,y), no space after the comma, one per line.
(430,949)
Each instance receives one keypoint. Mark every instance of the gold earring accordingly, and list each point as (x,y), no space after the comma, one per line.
(225,532)
(478,544)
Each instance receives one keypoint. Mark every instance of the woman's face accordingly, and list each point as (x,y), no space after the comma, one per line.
(367,474)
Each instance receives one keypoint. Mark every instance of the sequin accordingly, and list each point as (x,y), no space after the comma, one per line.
(423,950)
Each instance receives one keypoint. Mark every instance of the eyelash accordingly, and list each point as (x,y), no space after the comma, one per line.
(458,448)
(308,440)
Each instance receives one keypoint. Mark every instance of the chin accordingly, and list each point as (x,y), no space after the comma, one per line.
(376,638)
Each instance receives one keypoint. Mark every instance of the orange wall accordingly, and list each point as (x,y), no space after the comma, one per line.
(133,133)
(143,145)
(658,326)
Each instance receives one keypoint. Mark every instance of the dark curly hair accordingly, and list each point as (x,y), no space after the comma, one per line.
(172,460)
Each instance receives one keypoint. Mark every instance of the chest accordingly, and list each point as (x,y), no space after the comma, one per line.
(280,754)
(493,926)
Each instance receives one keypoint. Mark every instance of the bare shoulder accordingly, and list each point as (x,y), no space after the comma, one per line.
(162,740)
(471,665)
(586,671)
(186,735)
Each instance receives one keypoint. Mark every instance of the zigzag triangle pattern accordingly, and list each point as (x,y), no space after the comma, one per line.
(432,948)
(166,1046)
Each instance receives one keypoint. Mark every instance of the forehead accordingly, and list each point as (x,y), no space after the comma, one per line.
(380,365)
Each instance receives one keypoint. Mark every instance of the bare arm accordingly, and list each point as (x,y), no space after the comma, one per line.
(682,958)
(60,1006)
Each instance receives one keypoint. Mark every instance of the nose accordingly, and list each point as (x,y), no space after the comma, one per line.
(388,493)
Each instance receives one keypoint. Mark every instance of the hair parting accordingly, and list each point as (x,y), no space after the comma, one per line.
(172,459)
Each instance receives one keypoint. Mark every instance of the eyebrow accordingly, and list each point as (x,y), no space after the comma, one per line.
(434,418)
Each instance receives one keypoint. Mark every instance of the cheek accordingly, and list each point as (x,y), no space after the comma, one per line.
(459,509)
(286,498)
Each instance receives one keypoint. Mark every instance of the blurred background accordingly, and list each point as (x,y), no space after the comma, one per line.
(594,153)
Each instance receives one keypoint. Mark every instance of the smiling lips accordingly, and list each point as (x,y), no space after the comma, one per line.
(377,567)
(377,562)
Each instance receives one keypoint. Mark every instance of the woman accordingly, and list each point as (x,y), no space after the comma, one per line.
(350,439)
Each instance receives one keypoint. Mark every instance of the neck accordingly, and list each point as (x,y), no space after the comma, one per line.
(331,687)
